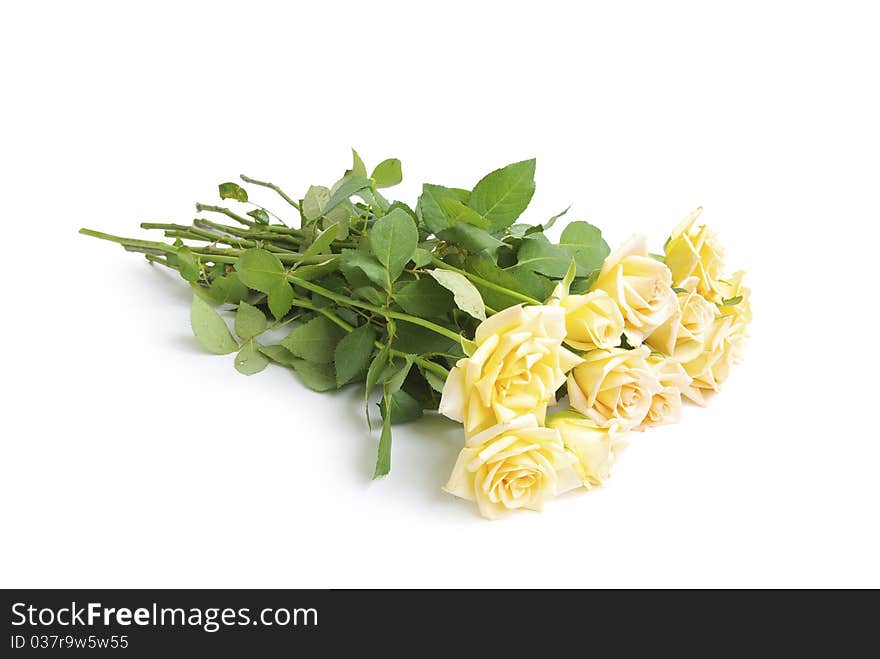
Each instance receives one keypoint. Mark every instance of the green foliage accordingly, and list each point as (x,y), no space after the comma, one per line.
(466,296)
(317,377)
(394,239)
(249,322)
(387,173)
(503,195)
(424,298)
(260,215)
(372,289)
(233,191)
(210,329)
(314,202)
(585,243)
(352,353)
(259,269)
(250,359)
(315,341)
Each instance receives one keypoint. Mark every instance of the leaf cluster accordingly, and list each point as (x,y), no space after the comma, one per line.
(357,289)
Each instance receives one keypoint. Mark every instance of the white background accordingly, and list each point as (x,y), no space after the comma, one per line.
(131,458)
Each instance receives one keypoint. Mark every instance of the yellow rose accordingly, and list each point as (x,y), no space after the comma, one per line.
(694,251)
(515,368)
(731,290)
(596,448)
(614,387)
(666,404)
(712,366)
(515,465)
(641,286)
(592,321)
(683,336)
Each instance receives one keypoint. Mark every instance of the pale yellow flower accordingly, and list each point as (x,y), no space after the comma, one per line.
(614,387)
(683,336)
(731,290)
(694,251)
(513,465)
(666,404)
(592,321)
(712,366)
(641,286)
(516,364)
(596,448)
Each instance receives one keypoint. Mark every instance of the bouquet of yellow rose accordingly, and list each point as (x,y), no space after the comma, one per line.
(455,306)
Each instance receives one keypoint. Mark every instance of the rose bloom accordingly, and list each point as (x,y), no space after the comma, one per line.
(666,405)
(596,448)
(640,285)
(516,367)
(694,251)
(513,465)
(683,336)
(730,289)
(712,366)
(614,387)
(592,321)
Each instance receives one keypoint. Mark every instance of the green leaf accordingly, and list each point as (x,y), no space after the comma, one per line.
(395,381)
(377,365)
(322,242)
(424,298)
(403,407)
(259,269)
(358,168)
(461,194)
(418,340)
(361,268)
(435,218)
(435,381)
(583,285)
(549,223)
(317,270)
(394,239)
(187,264)
(729,302)
(315,341)
(538,254)
(233,191)
(370,294)
(387,173)
(353,352)
(504,194)
(228,289)
(458,212)
(422,257)
(471,238)
(280,298)
(317,377)
(249,321)
(466,296)
(346,189)
(383,457)
(250,359)
(521,281)
(314,202)
(260,216)
(675,289)
(374,372)
(210,329)
(586,245)
(279,354)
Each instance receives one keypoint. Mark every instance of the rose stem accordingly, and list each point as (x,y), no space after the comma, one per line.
(271,186)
